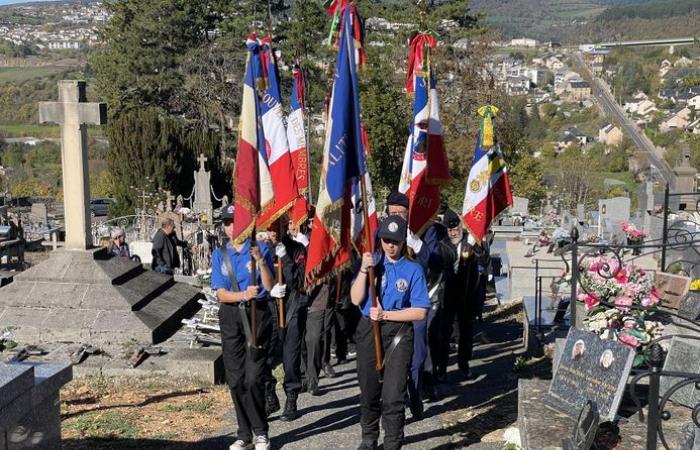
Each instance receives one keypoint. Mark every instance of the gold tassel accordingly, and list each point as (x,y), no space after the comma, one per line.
(487,131)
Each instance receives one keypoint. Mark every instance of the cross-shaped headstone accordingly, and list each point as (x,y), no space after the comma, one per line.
(169,199)
(202,159)
(73,114)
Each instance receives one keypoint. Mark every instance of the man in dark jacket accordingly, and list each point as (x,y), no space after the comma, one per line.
(164,251)
(461,278)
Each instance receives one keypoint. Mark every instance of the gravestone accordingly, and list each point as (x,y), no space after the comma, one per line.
(671,288)
(685,183)
(202,188)
(520,206)
(612,213)
(581,213)
(170,214)
(590,369)
(30,415)
(73,114)
(39,214)
(689,307)
(83,294)
(683,356)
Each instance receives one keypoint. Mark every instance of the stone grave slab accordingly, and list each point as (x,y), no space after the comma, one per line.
(671,288)
(14,380)
(683,356)
(33,420)
(590,369)
(520,206)
(689,307)
(39,214)
(204,364)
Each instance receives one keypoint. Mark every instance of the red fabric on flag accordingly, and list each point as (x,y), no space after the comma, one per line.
(245,187)
(417,55)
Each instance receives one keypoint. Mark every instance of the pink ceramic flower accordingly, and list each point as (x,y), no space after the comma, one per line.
(628,340)
(590,301)
(623,302)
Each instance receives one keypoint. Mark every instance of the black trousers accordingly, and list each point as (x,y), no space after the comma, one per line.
(457,307)
(317,340)
(292,335)
(245,366)
(346,322)
(383,399)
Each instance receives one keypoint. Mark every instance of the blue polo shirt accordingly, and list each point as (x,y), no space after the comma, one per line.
(241,263)
(403,286)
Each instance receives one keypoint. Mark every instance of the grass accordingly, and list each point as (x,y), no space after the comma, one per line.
(105,425)
(12,130)
(200,406)
(20,74)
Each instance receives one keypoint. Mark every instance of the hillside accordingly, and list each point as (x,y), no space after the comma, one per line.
(565,20)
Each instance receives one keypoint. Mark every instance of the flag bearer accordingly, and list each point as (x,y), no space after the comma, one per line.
(244,362)
(402,297)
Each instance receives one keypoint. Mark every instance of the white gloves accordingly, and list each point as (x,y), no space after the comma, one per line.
(278,291)
(414,242)
(302,239)
(280,251)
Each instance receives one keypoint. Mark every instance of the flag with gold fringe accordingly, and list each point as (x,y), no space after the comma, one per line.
(488,191)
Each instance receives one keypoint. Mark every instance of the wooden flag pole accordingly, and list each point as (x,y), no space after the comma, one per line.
(254,301)
(280,280)
(372,288)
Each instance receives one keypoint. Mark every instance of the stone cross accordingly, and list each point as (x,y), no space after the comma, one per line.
(169,199)
(73,114)
(202,159)
(202,188)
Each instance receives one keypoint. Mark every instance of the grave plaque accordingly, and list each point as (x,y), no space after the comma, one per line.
(39,214)
(590,369)
(671,288)
(683,356)
(690,306)
(520,206)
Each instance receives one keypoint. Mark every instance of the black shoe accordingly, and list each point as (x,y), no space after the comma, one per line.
(466,372)
(314,390)
(329,371)
(290,409)
(272,403)
(416,410)
(367,446)
(430,394)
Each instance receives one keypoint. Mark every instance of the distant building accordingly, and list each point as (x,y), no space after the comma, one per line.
(580,90)
(571,136)
(610,135)
(519,85)
(523,42)
(677,119)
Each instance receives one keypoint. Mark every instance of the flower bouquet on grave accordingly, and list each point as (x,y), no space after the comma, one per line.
(6,341)
(695,285)
(635,236)
(618,298)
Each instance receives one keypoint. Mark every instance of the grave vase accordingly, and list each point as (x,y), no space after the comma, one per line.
(635,241)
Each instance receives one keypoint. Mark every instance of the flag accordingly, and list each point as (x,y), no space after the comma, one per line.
(278,188)
(246,188)
(343,162)
(296,136)
(425,167)
(488,191)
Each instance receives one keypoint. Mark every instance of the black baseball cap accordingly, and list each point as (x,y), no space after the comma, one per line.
(227,212)
(393,228)
(397,198)
(451,219)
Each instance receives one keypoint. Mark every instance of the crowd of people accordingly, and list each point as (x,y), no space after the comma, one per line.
(430,288)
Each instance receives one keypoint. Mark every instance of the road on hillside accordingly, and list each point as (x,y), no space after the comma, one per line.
(661,171)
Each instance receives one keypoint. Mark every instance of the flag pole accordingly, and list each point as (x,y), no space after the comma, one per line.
(280,279)
(253,282)
(372,288)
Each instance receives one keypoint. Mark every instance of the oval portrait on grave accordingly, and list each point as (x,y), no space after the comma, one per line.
(578,350)
(607,359)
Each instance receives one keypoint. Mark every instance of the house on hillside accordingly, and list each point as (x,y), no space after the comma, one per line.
(519,85)
(571,136)
(553,63)
(694,127)
(677,119)
(610,135)
(523,42)
(693,101)
(580,90)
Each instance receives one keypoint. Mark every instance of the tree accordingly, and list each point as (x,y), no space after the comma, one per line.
(527,179)
(146,144)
